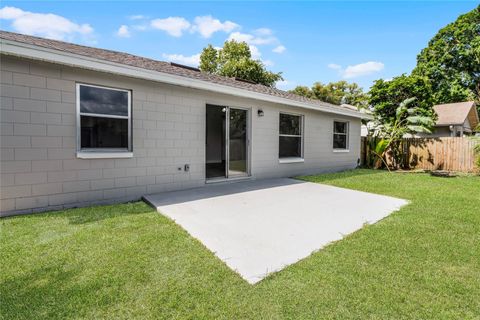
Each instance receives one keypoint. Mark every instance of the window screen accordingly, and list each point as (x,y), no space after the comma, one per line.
(340,135)
(290,140)
(104,118)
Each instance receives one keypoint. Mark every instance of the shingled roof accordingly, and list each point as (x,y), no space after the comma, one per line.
(160,66)
(456,113)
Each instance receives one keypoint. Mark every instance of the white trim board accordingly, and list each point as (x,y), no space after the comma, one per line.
(19,49)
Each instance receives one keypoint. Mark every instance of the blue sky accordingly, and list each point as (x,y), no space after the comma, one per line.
(308,41)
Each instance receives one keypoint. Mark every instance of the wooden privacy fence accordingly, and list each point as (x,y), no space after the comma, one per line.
(448,153)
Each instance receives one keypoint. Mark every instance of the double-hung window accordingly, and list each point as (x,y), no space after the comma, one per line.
(340,135)
(291,136)
(103,121)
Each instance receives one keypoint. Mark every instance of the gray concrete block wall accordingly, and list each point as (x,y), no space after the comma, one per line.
(40,170)
(319,155)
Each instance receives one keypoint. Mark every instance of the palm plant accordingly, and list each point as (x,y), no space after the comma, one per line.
(388,135)
(476,150)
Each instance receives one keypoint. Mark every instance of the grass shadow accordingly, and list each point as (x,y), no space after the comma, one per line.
(98,213)
(50,292)
(92,213)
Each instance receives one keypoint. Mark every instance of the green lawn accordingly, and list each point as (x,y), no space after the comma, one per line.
(126,261)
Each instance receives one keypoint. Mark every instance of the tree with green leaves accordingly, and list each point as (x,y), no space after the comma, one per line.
(388,135)
(235,60)
(303,91)
(448,70)
(209,59)
(386,95)
(335,92)
(451,61)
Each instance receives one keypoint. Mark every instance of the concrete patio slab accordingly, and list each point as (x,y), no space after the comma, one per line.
(258,227)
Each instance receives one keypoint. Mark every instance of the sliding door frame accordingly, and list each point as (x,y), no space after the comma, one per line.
(227,144)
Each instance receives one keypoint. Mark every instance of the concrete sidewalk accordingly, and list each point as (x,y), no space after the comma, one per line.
(260,226)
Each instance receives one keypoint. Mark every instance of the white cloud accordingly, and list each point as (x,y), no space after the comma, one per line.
(358,70)
(251,39)
(334,66)
(11,13)
(174,26)
(279,49)
(48,25)
(240,37)
(285,84)
(207,25)
(137,17)
(193,60)
(140,27)
(256,54)
(123,32)
(263,32)
(363,69)
(260,37)
(268,63)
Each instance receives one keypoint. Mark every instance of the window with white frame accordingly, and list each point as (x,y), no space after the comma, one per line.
(291,136)
(340,135)
(104,119)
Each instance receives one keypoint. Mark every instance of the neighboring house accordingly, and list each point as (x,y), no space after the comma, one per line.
(82,126)
(455,119)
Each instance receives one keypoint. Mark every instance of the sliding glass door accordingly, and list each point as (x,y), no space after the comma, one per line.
(237,143)
(226,142)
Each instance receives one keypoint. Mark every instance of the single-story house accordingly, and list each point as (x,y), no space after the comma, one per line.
(83,126)
(455,119)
